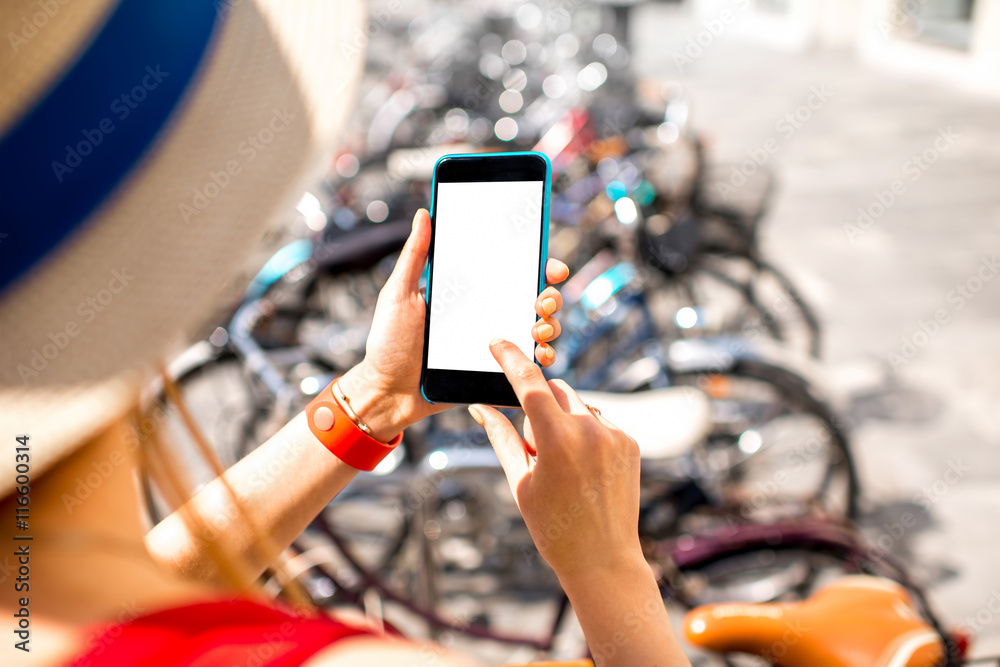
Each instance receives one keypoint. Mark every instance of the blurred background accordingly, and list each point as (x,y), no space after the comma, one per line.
(782,222)
(898,74)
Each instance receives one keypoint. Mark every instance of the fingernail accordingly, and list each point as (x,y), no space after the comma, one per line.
(476,414)
(496,341)
(550,353)
(545,331)
(548,306)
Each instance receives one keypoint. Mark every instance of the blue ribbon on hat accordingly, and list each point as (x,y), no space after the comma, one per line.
(70,151)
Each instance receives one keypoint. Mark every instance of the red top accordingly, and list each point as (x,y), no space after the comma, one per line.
(236,633)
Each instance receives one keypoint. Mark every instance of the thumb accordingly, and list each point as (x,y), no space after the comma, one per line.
(413,257)
(506,443)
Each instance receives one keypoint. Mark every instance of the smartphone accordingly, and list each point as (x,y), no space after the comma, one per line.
(486,266)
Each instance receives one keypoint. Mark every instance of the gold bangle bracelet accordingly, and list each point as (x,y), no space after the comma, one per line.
(345,403)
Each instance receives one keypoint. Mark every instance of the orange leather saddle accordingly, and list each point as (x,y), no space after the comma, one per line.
(858,621)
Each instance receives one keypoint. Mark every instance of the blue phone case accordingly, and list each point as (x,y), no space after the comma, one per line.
(546,191)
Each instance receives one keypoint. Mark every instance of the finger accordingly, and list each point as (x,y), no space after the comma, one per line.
(413,257)
(545,354)
(609,425)
(555,271)
(526,378)
(567,396)
(546,329)
(529,438)
(557,390)
(549,302)
(510,449)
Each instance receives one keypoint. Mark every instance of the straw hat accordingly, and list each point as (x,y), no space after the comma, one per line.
(145,145)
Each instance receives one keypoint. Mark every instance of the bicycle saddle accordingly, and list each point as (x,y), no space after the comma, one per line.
(665,423)
(857,621)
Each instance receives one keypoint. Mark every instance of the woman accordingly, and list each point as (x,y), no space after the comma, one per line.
(148,142)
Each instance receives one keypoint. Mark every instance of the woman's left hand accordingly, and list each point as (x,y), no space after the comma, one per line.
(385,388)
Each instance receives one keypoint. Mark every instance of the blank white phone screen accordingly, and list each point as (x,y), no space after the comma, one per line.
(487,242)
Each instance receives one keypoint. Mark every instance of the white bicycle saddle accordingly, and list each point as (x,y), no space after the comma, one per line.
(665,422)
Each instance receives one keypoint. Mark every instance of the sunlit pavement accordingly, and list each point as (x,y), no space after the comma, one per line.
(927,420)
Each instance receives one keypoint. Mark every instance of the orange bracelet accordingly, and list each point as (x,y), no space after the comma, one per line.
(333,427)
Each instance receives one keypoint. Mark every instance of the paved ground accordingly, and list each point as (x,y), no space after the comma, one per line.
(928,425)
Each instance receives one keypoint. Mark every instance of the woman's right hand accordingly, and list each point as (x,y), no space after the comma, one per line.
(575,476)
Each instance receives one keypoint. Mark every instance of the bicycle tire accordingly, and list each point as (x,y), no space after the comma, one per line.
(795,390)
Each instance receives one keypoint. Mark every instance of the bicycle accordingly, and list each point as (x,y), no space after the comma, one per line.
(853,621)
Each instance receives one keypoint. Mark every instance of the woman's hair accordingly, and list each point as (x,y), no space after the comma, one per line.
(161,466)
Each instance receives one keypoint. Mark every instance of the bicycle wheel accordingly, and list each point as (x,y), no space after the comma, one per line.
(226,407)
(774,448)
(746,296)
